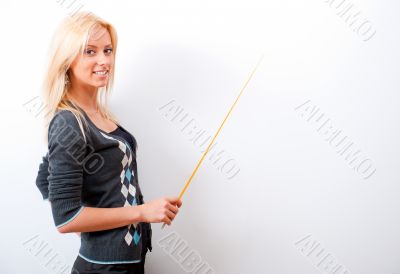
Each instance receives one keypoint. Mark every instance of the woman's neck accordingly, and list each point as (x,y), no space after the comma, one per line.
(86,99)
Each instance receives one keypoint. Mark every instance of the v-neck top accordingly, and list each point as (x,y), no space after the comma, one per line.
(120,131)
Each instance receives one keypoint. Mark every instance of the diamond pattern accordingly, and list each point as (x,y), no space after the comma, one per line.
(136,237)
(128,190)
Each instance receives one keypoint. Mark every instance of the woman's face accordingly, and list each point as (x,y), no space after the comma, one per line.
(91,70)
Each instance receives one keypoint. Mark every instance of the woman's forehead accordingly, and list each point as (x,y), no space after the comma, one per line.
(99,35)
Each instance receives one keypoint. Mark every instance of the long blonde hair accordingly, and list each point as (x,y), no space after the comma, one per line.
(70,39)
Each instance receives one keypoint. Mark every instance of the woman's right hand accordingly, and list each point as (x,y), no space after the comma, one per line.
(162,210)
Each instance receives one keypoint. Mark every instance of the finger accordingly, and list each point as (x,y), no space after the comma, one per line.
(177,203)
(173,208)
(173,200)
(166,220)
(170,214)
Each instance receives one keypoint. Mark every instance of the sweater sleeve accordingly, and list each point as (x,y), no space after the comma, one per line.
(66,152)
(41,179)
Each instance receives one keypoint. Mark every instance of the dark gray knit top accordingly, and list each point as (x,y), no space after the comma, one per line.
(97,169)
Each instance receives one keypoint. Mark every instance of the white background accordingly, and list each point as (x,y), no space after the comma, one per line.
(291,184)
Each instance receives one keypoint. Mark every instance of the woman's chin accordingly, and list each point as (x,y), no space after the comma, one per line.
(101,85)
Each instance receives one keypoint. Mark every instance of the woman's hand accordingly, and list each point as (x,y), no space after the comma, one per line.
(160,210)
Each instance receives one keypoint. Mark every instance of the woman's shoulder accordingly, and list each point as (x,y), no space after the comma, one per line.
(65,119)
(63,114)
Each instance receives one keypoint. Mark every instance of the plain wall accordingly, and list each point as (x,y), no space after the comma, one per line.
(296,201)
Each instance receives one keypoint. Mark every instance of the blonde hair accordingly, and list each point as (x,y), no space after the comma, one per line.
(70,39)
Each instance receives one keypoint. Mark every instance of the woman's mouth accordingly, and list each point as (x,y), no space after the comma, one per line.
(101,73)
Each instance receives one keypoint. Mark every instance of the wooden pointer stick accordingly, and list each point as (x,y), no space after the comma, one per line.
(219,129)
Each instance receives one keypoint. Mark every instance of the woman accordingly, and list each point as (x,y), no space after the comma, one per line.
(89,174)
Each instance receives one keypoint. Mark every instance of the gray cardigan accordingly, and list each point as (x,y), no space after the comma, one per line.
(94,170)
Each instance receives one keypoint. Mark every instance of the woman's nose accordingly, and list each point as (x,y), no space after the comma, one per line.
(104,59)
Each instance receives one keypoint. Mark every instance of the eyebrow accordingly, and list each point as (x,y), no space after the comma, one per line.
(109,45)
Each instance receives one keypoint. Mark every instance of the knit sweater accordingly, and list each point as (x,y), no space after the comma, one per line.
(88,167)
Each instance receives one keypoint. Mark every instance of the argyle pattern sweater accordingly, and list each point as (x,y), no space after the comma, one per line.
(87,167)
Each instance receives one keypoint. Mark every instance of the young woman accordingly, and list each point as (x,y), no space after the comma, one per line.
(89,174)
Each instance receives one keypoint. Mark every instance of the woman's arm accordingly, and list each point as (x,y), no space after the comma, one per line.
(96,219)
(41,178)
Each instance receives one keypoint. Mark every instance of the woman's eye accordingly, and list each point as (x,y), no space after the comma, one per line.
(91,52)
(88,51)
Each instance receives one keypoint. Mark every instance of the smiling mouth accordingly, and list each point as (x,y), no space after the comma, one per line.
(101,72)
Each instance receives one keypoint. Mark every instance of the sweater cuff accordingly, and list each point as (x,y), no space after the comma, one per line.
(65,210)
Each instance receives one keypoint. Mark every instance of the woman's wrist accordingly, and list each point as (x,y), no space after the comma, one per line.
(137,214)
